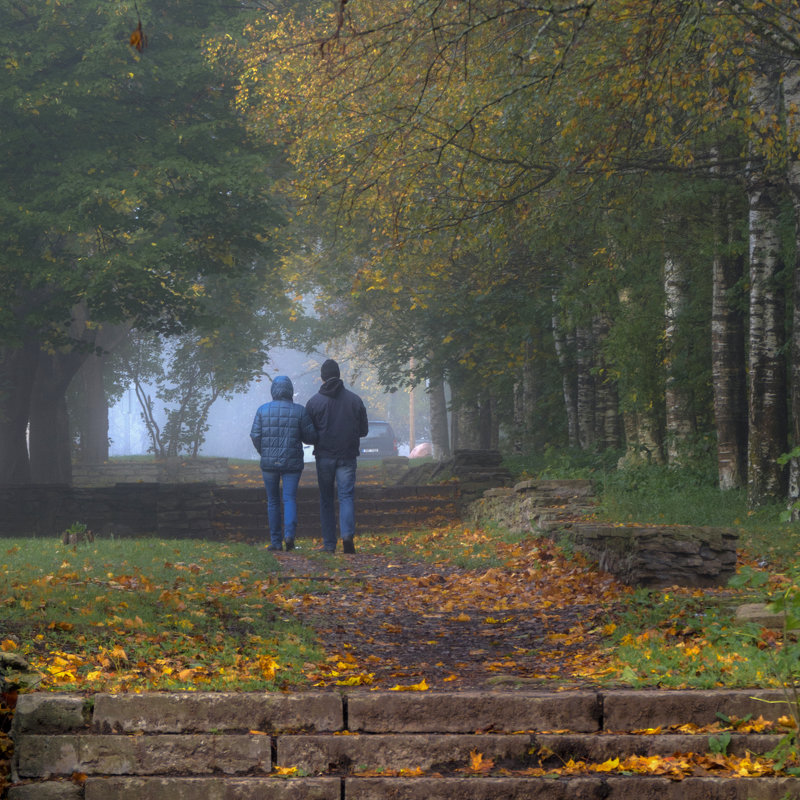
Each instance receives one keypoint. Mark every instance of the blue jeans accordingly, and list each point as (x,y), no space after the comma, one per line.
(340,472)
(272,483)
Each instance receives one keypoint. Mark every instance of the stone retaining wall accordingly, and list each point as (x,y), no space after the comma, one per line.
(171,470)
(652,556)
(357,745)
(204,511)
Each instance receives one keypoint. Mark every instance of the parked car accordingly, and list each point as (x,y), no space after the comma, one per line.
(380,442)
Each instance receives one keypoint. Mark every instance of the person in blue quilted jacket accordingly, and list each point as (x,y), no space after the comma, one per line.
(280,429)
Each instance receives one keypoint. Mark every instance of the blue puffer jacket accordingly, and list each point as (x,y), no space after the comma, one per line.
(280,428)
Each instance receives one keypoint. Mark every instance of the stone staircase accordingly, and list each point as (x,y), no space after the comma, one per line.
(242,512)
(362,745)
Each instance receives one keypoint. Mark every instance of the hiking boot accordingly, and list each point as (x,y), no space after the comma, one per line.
(289,544)
(275,548)
(348,546)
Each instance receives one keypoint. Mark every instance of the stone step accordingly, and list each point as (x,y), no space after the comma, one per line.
(611,787)
(540,712)
(235,746)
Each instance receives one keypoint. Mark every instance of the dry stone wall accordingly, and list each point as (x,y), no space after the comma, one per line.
(639,555)
(204,510)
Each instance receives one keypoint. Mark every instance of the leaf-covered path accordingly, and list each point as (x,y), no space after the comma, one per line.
(532,618)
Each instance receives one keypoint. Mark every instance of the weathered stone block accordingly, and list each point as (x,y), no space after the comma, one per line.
(635,710)
(181,712)
(213,789)
(52,790)
(321,753)
(468,712)
(49,713)
(471,789)
(47,756)
(560,748)
(659,556)
(645,788)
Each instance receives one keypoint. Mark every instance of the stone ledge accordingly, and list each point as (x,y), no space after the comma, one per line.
(585,711)
(49,756)
(611,787)
(228,712)
(319,754)
(212,789)
(575,788)
(52,790)
(50,713)
(630,710)
(557,748)
(468,712)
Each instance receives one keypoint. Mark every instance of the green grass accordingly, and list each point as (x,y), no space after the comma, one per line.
(684,637)
(152,614)
(147,613)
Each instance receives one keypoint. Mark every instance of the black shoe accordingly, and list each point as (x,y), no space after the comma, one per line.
(275,548)
(348,546)
(289,544)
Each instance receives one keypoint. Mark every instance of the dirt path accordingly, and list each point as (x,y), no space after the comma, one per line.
(396,622)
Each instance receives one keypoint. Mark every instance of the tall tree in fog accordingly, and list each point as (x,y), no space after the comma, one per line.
(128,181)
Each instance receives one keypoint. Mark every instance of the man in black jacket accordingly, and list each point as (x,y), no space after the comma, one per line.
(341,420)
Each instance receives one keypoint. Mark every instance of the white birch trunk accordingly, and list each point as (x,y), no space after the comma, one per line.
(767,373)
(679,418)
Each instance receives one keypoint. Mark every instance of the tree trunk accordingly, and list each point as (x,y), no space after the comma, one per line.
(568,376)
(91,419)
(465,420)
(680,423)
(50,438)
(16,385)
(643,438)
(50,435)
(524,401)
(608,422)
(440,439)
(728,358)
(585,388)
(767,369)
(487,422)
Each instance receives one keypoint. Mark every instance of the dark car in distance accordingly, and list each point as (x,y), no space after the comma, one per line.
(380,442)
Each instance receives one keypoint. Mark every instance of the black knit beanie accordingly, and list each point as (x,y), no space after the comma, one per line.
(330,369)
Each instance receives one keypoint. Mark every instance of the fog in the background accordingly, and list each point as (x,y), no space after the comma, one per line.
(230,420)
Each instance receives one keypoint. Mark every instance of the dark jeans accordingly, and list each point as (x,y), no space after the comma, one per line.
(272,482)
(341,473)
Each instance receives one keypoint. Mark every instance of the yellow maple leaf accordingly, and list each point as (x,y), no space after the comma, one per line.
(268,666)
(118,653)
(608,766)
(362,679)
(422,686)
(477,763)
(285,770)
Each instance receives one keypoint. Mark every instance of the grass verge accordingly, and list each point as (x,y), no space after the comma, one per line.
(149,614)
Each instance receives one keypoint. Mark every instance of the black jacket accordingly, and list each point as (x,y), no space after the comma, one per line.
(340,419)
